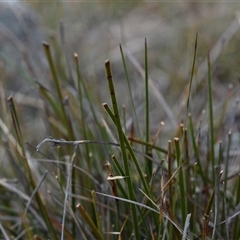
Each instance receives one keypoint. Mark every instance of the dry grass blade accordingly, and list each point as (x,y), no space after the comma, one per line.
(186,226)
(34,192)
(164,214)
(91,224)
(69,179)
(112,181)
(216,202)
(6,237)
(171,179)
(10,187)
(156,136)
(124,223)
(63,142)
(18,192)
(97,213)
(230,221)
(16,122)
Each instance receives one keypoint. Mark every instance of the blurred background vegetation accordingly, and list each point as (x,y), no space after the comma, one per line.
(94,30)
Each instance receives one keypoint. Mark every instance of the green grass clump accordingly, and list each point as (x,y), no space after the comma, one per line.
(98,179)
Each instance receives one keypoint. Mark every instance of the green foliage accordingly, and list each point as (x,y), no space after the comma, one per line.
(93,179)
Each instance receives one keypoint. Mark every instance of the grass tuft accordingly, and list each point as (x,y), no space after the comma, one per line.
(95,178)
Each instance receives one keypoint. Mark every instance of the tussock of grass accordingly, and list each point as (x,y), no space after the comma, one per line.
(94,178)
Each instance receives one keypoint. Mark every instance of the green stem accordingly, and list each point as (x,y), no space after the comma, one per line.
(122,146)
(129,90)
(192,73)
(42,208)
(148,163)
(80,81)
(65,117)
(181,181)
(211,125)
